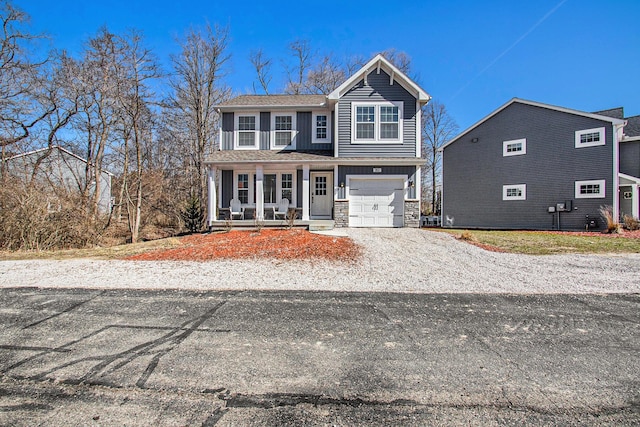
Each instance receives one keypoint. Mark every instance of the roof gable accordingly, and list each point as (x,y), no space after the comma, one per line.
(377,63)
(535,104)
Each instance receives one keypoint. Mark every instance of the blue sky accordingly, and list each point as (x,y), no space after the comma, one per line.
(473,56)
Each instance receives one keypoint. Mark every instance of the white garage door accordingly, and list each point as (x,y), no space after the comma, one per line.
(376,202)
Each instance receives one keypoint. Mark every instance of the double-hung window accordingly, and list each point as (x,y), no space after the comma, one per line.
(243,187)
(246,126)
(283,130)
(286,186)
(377,122)
(590,137)
(321,130)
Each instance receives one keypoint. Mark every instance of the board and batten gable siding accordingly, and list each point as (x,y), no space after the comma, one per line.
(474,173)
(227,188)
(304,139)
(265,131)
(227,131)
(378,88)
(630,158)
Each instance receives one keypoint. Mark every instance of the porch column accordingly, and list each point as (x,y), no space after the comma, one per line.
(259,193)
(305,192)
(212,196)
(635,205)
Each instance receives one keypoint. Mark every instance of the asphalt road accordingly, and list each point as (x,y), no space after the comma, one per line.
(91,357)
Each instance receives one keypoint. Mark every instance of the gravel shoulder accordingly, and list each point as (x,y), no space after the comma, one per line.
(394,260)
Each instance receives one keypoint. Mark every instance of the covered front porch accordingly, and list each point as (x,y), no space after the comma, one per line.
(629,195)
(260,188)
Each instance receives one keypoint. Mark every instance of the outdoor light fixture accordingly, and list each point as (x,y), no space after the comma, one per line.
(342,185)
(474,139)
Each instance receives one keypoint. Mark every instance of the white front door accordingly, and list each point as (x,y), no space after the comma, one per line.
(321,194)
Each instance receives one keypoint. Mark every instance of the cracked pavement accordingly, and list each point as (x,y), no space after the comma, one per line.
(96,357)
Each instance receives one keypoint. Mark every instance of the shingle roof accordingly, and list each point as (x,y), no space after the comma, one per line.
(616,113)
(275,101)
(633,126)
(229,157)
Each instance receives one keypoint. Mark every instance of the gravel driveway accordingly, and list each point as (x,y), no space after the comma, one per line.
(395,260)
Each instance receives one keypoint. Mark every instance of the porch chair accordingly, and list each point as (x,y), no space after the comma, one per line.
(236,209)
(281,210)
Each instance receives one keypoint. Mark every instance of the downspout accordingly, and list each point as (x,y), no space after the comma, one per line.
(617,136)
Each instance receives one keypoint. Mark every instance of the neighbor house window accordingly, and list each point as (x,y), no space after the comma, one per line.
(594,189)
(589,137)
(377,122)
(246,131)
(514,192)
(284,126)
(320,128)
(515,147)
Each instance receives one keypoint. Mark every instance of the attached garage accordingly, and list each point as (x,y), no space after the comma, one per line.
(376,201)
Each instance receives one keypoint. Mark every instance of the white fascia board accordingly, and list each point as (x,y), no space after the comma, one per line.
(376,63)
(629,178)
(630,138)
(535,104)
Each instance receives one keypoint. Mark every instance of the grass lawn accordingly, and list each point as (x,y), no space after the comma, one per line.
(549,242)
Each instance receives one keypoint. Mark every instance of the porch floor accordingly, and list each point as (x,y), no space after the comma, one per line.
(311,225)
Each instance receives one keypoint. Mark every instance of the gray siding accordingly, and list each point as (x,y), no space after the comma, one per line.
(304,140)
(630,158)
(299,188)
(227,131)
(343,171)
(474,173)
(377,89)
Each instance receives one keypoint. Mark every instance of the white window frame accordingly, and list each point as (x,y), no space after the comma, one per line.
(294,132)
(506,144)
(601,195)
(236,131)
(521,187)
(314,138)
(580,133)
(377,123)
(252,189)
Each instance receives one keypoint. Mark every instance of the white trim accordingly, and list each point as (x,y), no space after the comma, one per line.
(418,130)
(314,129)
(250,186)
(522,188)
(273,131)
(618,134)
(601,137)
(635,206)
(212,196)
(377,122)
(336,112)
(535,104)
(600,195)
(506,144)
(305,192)
(380,61)
(256,132)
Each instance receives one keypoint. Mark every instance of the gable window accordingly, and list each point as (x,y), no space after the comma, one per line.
(593,189)
(514,192)
(321,132)
(515,147)
(246,131)
(283,133)
(589,137)
(377,122)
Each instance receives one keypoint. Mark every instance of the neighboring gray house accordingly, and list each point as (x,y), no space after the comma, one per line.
(352,156)
(529,165)
(60,168)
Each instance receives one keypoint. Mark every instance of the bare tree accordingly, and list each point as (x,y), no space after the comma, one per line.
(262,66)
(301,51)
(438,127)
(324,77)
(197,88)
(400,59)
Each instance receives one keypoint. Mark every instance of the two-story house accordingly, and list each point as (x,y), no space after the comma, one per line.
(352,156)
(529,165)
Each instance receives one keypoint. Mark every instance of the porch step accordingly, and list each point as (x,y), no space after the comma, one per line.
(321,224)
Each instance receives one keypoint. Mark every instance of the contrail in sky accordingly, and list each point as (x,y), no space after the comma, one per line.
(507,50)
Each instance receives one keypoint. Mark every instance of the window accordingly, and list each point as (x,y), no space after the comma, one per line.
(627,195)
(515,147)
(377,123)
(590,137)
(514,192)
(243,187)
(246,131)
(321,133)
(594,189)
(286,186)
(283,133)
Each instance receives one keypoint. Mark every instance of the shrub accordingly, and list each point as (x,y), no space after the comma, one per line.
(467,236)
(630,223)
(193,214)
(606,212)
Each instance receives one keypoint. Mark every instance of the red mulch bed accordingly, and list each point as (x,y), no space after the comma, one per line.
(267,243)
(623,233)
